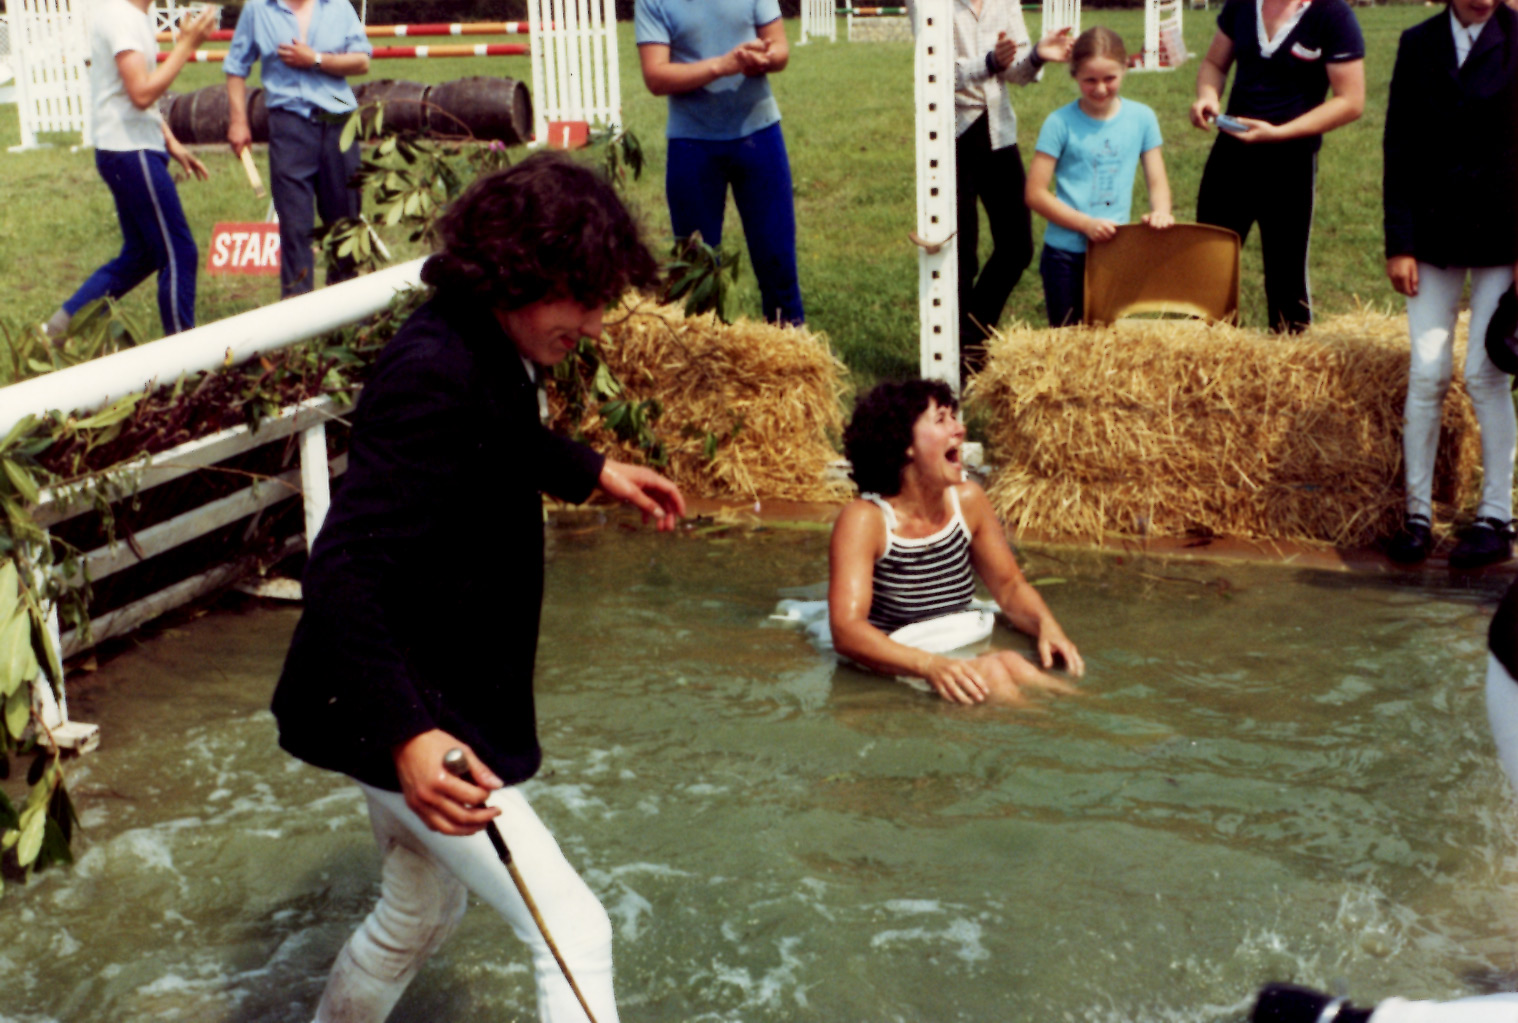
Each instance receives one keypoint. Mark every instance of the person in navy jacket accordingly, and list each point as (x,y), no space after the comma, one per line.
(1451,213)
(424,586)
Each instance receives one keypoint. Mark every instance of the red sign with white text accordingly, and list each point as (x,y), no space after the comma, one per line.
(244,249)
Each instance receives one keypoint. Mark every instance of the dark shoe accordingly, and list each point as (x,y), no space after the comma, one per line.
(1487,542)
(1412,542)
(1287,1003)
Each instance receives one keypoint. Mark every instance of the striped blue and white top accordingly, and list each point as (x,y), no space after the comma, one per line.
(923,578)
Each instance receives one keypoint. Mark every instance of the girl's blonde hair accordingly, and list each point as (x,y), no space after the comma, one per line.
(1100,41)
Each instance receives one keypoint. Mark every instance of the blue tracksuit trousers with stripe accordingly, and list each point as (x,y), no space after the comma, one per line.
(155,238)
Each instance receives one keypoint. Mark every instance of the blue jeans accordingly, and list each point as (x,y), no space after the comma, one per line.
(1064,275)
(756,166)
(154,238)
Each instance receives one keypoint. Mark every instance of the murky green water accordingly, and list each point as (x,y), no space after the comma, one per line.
(1285,775)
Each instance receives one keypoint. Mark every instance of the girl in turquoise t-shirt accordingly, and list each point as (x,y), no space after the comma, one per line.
(1089,150)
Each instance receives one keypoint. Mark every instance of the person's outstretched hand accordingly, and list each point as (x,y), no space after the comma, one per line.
(656,497)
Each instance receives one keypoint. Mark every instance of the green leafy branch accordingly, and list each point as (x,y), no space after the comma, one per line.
(703,278)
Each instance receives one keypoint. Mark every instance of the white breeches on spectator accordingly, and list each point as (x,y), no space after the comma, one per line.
(1502,715)
(424,877)
(1431,316)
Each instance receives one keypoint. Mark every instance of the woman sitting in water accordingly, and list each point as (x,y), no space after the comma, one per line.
(901,556)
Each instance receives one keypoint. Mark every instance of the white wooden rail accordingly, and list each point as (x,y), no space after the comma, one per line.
(50,50)
(575,70)
(819,20)
(90,386)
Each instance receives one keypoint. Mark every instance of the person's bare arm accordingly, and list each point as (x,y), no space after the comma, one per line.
(665,77)
(239,134)
(144,88)
(777,47)
(1158,183)
(1055,210)
(1211,75)
(1346,80)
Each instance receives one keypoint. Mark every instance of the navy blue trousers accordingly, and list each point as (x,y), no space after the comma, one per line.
(308,175)
(155,238)
(757,168)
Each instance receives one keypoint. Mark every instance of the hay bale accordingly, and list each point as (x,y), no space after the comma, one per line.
(1170,428)
(769,399)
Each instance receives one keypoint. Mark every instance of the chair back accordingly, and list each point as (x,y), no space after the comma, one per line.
(1191,269)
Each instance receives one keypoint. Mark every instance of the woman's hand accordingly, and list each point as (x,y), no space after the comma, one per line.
(1055,47)
(1403,271)
(1098,230)
(1204,112)
(446,804)
(956,681)
(1051,641)
(1159,220)
(1259,131)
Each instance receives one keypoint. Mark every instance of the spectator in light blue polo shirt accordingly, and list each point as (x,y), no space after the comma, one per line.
(712,59)
(307,50)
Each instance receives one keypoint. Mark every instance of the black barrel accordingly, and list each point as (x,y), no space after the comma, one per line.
(201,117)
(405,103)
(258,116)
(486,108)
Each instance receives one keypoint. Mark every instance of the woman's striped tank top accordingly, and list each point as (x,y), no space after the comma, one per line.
(923,578)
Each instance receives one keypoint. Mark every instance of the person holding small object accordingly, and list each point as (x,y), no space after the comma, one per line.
(383,678)
(1089,150)
(307,50)
(1451,147)
(904,557)
(133,146)
(992,50)
(1287,55)
(714,59)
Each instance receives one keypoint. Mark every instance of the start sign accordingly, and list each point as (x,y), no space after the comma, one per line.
(244,249)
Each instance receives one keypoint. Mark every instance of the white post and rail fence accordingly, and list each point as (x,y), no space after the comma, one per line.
(90,386)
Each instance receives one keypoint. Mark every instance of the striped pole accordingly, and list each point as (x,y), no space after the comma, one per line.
(871,12)
(387,52)
(475,28)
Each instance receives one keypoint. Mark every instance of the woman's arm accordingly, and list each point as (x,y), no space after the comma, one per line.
(859,539)
(1159,189)
(777,52)
(144,88)
(183,156)
(1055,210)
(1211,74)
(1346,80)
(1019,600)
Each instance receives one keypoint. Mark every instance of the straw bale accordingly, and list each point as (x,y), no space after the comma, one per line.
(1171,427)
(773,397)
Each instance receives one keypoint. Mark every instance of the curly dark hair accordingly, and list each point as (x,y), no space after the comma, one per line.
(547,227)
(878,436)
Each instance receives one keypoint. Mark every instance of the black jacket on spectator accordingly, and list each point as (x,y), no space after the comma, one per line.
(424,587)
(1451,144)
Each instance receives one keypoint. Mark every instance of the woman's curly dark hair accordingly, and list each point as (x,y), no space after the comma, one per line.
(545,228)
(878,436)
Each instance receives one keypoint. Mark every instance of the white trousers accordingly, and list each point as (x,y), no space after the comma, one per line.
(1431,316)
(1501,1008)
(423,883)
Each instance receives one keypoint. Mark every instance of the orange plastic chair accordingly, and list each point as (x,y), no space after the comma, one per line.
(1190,269)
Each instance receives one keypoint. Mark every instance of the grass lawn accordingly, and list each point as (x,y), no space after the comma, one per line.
(848,122)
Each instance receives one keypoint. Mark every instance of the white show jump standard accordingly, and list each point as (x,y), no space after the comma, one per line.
(1058,14)
(1164,45)
(50,46)
(818,20)
(92,385)
(937,217)
(575,69)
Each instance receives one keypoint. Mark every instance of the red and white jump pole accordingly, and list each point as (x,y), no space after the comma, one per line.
(473,28)
(387,52)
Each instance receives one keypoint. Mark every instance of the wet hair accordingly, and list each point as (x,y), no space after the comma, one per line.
(880,432)
(1100,41)
(545,228)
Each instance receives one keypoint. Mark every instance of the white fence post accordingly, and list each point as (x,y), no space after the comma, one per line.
(938,257)
(819,18)
(50,42)
(575,67)
(1164,45)
(1058,14)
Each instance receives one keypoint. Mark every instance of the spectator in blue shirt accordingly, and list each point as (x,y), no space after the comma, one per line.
(712,59)
(307,49)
